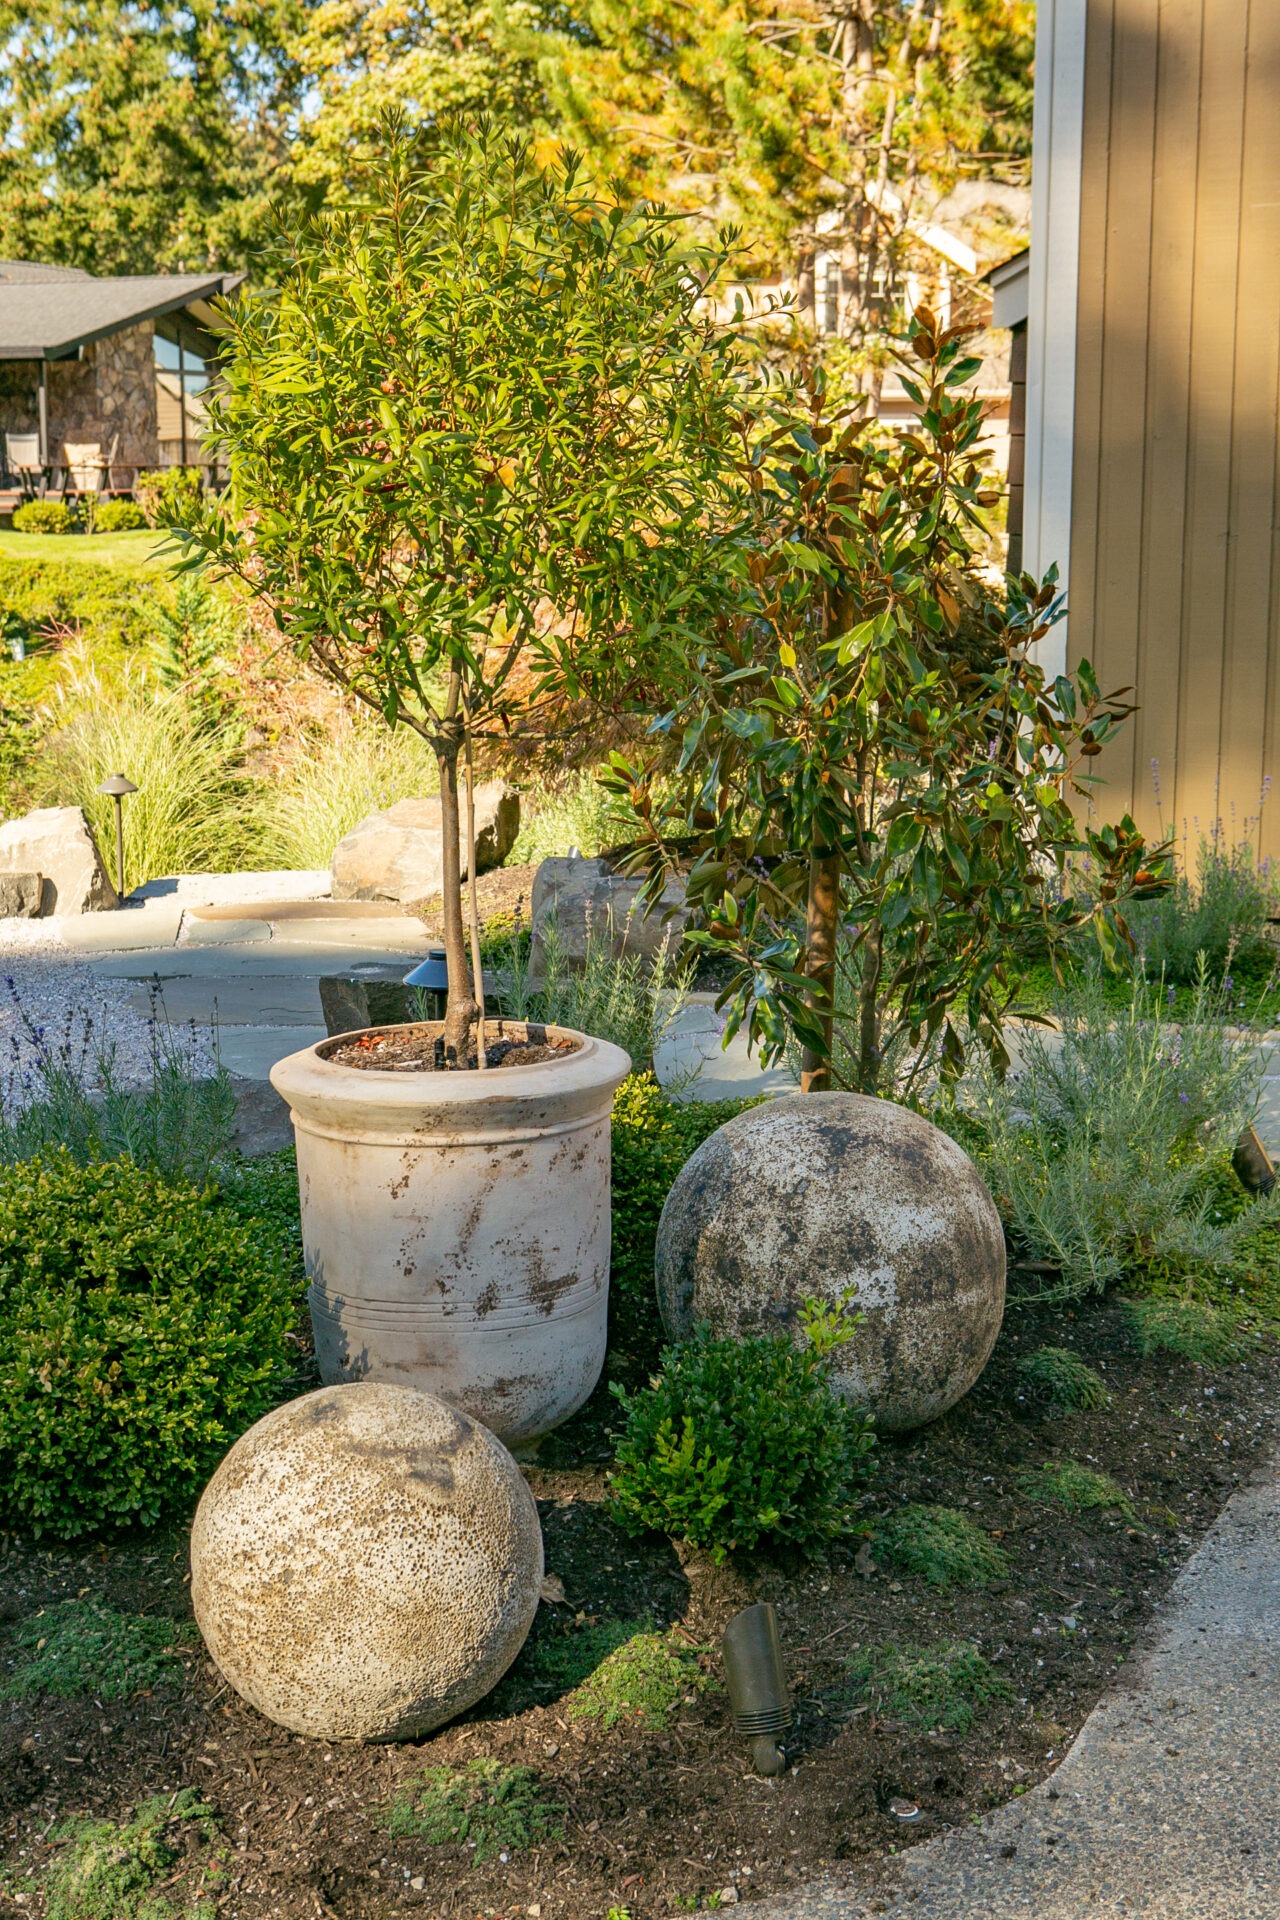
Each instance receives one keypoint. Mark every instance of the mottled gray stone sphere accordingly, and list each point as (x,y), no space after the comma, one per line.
(819,1192)
(365,1563)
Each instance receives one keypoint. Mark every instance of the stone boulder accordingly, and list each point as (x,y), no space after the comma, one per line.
(351,1002)
(833,1195)
(58,843)
(365,1563)
(21,895)
(586,899)
(399,854)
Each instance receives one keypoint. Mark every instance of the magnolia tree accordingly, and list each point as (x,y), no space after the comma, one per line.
(874,775)
(473,433)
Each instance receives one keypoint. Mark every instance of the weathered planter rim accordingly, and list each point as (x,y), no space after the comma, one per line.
(470,1107)
(323,1048)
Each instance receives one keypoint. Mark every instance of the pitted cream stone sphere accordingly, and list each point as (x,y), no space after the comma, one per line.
(365,1563)
(820,1192)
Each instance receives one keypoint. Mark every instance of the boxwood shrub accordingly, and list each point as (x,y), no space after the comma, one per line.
(740,1444)
(44,516)
(118,516)
(142,1329)
(652,1138)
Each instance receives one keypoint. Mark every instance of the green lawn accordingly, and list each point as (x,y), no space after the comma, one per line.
(102,549)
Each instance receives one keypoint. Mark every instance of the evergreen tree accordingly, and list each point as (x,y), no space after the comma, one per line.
(142,138)
(425,60)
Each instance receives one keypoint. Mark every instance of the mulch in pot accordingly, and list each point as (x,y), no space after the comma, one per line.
(420,1049)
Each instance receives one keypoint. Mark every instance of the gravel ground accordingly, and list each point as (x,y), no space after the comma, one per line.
(55,1008)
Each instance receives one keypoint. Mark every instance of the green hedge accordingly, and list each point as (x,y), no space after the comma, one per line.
(142,1328)
(111,606)
(652,1138)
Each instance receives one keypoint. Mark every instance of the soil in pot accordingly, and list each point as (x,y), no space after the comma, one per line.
(420,1048)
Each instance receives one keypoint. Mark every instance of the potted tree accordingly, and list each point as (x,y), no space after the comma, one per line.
(471,433)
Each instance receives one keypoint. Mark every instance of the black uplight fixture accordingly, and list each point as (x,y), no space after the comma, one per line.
(117,786)
(757,1681)
(431,976)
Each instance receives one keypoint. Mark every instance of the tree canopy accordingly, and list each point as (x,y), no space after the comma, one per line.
(143,139)
(152,137)
(421,59)
(776,113)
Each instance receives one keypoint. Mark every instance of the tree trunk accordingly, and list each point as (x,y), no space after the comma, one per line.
(473,904)
(461,1011)
(869,1016)
(822,924)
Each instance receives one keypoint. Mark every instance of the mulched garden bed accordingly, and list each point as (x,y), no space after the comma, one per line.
(657,1822)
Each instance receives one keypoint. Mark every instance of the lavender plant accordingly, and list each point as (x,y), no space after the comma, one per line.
(67,1089)
(1222,911)
(1103,1148)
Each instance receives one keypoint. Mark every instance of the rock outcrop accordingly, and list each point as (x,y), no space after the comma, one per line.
(587,900)
(58,843)
(399,854)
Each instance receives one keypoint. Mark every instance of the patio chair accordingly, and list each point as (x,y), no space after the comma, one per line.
(22,459)
(83,468)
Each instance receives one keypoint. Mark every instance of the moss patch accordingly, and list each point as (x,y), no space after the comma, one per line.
(83,1647)
(1057,1377)
(945,1685)
(645,1679)
(940,1545)
(485,1807)
(162,1862)
(1065,1483)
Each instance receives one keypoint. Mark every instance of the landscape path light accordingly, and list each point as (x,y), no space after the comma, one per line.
(432,976)
(117,786)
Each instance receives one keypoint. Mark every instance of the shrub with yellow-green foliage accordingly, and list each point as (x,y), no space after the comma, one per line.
(44,516)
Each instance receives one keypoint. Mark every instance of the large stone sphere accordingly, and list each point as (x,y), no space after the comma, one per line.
(365,1563)
(817,1193)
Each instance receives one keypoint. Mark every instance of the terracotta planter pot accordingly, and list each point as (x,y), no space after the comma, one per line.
(456,1227)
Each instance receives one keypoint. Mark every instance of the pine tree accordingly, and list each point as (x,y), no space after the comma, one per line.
(423,59)
(140,138)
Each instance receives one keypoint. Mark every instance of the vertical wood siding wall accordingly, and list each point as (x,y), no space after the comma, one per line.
(1175,561)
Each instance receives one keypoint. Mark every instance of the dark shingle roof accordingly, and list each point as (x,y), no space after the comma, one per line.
(34,270)
(46,312)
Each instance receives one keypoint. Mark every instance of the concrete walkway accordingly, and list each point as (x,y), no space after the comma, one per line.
(248,967)
(1168,1805)
(245,953)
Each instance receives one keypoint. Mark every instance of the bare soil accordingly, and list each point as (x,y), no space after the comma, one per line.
(652,1819)
(420,1049)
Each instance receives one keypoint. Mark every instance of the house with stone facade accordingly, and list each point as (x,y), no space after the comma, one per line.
(115,364)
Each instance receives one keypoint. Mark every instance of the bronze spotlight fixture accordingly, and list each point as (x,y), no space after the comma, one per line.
(1252,1165)
(757,1681)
